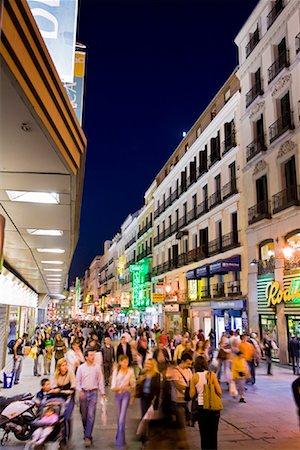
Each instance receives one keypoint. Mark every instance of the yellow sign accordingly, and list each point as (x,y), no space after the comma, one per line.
(157,297)
(276,295)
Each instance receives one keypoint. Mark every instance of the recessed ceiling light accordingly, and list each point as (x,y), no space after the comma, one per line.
(40,232)
(52,262)
(53,270)
(50,250)
(33,197)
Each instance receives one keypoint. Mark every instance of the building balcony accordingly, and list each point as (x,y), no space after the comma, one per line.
(230,240)
(229,189)
(205,293)
(202,170)
(286,198)
(293,263)
(252,43)
(214,247)
(259,212)
(266,266)
(281,125)
(218,290)
(215,199)
(215,156)
(253,93)
(233,288)
(130,243)
(228,143)
(145,229)
(274,13)
(182,259)
(196,254)
(278,65)
(255,147)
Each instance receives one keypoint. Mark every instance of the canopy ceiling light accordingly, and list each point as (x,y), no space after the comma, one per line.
(50,250)
(52,262)
(33,197)
(52,270)
(40,232)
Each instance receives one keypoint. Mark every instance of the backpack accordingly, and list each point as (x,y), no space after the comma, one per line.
(11,345)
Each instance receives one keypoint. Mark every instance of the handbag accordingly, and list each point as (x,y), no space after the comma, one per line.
(211,399)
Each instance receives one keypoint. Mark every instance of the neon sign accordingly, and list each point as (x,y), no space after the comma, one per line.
(276,295)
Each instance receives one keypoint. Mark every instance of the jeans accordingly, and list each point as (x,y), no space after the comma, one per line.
(18,367)
(208,426)
(68,421)
(295,363)
(269,363)
(252,370)
(88,402)
(121,404)
(38,364)
(107,366)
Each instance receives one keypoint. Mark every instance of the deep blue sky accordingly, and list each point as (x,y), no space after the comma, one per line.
(152,68)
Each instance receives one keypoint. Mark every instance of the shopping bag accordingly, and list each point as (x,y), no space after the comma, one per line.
(232,389)
(211,400)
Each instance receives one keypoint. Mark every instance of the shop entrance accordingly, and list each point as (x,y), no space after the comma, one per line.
(226,321)
(293,327)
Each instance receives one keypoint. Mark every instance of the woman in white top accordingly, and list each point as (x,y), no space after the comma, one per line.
(123,385)
(208,420)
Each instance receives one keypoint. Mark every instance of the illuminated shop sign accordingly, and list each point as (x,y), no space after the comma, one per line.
(276,295)
(140,299)
(193,289)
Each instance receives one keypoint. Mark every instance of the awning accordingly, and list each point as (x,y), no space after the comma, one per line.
(227,265)
(202,271)
(190,275)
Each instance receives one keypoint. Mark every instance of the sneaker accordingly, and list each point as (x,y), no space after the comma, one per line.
(87,442)
(242,400)
(16,382)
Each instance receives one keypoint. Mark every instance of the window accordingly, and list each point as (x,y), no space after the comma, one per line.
(213,112)
(234,227)
(185,213)
(193,176)
(198,131)
(227,95)
(266,250)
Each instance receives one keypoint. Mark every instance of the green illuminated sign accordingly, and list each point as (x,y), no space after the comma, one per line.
(139,292)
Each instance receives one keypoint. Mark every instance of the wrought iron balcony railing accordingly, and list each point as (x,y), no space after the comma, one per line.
(286,198)
(259,212)
(254,92)
(281,125)
(255,147)
(279,64)
(274,13)
(252,42)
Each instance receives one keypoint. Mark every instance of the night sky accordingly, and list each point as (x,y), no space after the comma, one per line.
(152,68)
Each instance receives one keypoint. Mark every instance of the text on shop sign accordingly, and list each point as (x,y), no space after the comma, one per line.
(276,295)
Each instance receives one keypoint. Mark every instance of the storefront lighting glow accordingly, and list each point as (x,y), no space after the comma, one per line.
(288,252)
(52,270)
(33,197)
(14,292)
(52,262)
(40,232)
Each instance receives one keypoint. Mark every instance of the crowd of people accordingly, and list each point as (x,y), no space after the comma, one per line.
(169,375)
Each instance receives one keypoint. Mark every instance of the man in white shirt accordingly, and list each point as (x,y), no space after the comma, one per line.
(89,380)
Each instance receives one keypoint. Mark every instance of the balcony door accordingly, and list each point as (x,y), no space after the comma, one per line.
(285,110)
(281,48)
(262,194)
(290,179)
(175,255)
(260,131)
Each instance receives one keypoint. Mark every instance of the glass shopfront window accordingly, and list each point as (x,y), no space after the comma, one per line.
(267,250)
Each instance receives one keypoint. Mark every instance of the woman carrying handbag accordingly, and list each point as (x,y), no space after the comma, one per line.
(205,387)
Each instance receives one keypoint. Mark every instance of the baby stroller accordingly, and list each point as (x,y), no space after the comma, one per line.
(48,430)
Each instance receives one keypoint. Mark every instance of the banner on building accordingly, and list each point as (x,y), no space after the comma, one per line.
(57,22)
(75,90)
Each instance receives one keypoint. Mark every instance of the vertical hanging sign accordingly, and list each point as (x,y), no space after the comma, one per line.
(57,22)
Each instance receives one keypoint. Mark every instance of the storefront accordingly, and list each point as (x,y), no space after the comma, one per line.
(173,319)
(229,315)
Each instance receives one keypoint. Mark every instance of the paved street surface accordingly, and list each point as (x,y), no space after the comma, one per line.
(268,421)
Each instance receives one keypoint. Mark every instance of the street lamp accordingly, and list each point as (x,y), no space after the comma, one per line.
(168,289)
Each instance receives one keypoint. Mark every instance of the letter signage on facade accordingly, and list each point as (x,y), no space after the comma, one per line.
(276,295)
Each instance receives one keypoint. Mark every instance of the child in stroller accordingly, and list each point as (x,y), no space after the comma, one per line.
(50,424)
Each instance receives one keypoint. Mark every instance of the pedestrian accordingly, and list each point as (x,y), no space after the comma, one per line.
(89,381)
(248,351)
(48,353)
(296,394)
(123,385)
(74,356)
(64,386)
(294,347)
(240,372)
(108,354)
(208,420)
(162,357)
(18,350)
(267,347)
(181,377)
(179,350)
(43,394)
(148,386)
(124,349)
(59,348)
(38,347)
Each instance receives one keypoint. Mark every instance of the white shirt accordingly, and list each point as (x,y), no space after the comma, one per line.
(200,386)
(89,377)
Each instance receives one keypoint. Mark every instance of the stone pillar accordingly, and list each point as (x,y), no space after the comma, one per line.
(253,322)
(280,316)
